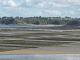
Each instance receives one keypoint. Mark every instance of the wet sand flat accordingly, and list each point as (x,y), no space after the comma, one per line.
(35,39)
(36,51)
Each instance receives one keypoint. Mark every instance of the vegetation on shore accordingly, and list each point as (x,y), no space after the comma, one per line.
(39,20)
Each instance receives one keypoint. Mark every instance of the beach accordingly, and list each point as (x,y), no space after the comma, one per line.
(36,51)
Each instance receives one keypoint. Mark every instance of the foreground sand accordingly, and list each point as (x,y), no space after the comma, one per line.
(36,51)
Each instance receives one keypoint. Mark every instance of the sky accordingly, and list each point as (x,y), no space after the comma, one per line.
(44,8)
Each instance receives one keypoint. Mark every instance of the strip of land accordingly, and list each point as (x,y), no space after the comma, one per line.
(36,51)
(45,25)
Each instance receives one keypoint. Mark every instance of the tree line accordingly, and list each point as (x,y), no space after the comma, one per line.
(40,20)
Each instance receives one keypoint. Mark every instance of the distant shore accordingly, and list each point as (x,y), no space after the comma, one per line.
(35,24)
(39,25)
(36,51)
(48,25)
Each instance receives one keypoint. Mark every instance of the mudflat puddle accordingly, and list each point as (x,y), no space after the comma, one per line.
(72,48)
(42,57)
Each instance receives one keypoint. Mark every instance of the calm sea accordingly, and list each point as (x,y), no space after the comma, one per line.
(42,57)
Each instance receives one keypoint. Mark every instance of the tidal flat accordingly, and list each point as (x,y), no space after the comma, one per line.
(43,38)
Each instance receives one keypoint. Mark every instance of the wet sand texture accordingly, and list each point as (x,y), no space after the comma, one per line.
(35,51)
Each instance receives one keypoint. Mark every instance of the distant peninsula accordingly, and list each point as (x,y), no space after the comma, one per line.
(39,21)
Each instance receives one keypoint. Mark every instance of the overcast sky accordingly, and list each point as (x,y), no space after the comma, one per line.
(44,8)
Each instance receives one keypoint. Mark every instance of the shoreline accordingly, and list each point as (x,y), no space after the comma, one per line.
(48,25)
(36,25)
(36,51)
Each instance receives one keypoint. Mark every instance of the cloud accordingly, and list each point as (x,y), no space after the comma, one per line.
(39,14)
(28,1)
(75,2)
(78,9)
(41,3)
(40,7)
(53,4)
(11,3)
(8,3)
(19,11)
(72,12)
(55,12)
(32,4)
(4,14)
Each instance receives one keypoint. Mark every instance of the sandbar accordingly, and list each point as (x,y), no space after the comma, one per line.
(36,51)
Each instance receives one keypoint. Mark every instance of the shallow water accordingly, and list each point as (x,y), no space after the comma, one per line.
(42,57)
(23,26)
(5,33)
(69,48)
